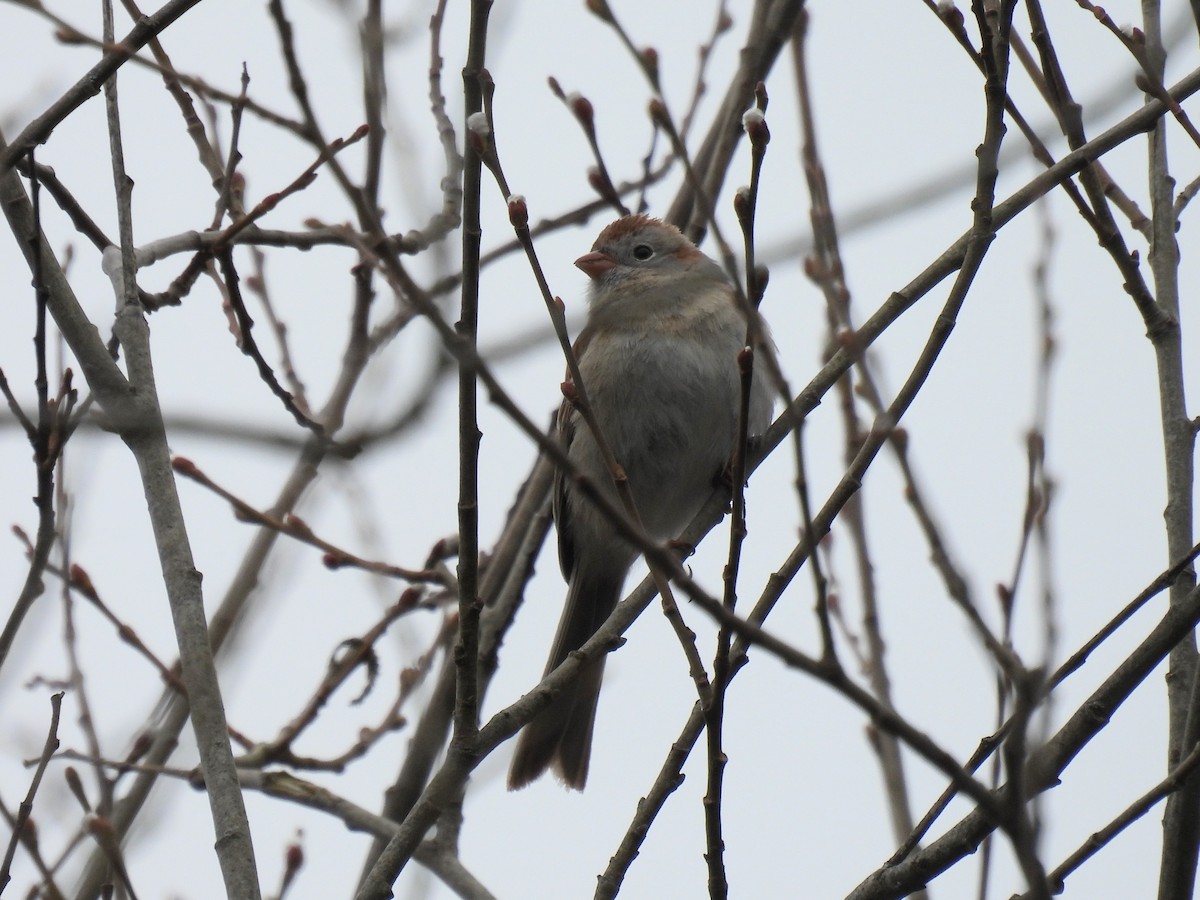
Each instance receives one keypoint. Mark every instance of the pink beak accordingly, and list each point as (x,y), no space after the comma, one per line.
(595,264)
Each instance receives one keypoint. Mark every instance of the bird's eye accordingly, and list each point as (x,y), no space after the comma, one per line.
(643,252)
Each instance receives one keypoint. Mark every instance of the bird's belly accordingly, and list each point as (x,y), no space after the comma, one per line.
(670,419)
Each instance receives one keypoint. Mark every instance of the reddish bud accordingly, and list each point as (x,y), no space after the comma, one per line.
(763,276)
(597,182)
(1035,442)
(518,211)
(951,15)
(408,677)
(900,438)
(331,561)
(443,548)
(100,827)
(582,107)
(81,580)
(742,204)
(296,523)
(76,786)
(658,112)
(568,390)
(600,9)
(409,599)
(650,61)
(293,857)
(745,359)
(1004,595)
(184,466)
(756,129)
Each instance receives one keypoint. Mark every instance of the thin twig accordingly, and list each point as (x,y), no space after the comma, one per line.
(25,810)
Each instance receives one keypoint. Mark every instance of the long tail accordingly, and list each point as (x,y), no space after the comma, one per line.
(561,736)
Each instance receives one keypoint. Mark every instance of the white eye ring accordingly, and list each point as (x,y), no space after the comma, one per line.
(643,252)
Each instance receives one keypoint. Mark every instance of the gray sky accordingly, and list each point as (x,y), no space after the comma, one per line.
(897,105)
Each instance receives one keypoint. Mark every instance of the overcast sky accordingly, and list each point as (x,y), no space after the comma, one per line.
(899,115)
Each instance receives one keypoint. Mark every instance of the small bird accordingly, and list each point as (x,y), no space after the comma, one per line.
(658,359)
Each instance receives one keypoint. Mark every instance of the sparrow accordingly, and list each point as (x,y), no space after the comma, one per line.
(658,360)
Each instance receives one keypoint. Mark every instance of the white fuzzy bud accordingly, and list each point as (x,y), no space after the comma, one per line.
(478,123)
